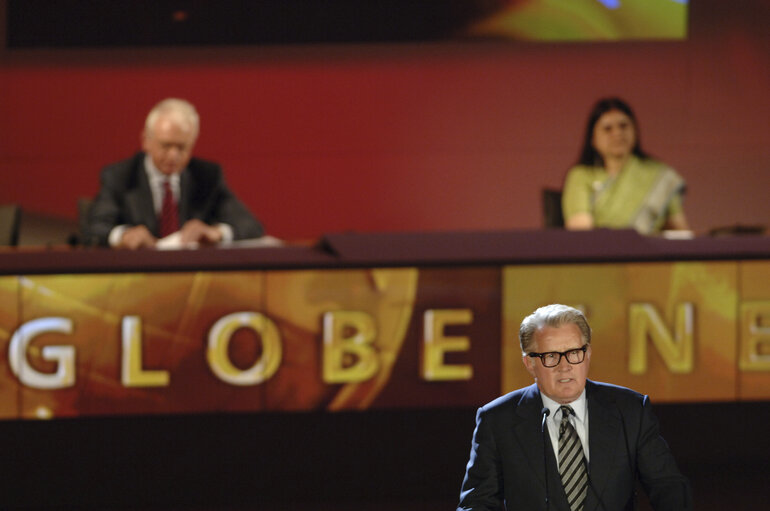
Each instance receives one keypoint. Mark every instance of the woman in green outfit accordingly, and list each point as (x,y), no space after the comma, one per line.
(617,185)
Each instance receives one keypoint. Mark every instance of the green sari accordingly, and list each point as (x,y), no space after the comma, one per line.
(642,196)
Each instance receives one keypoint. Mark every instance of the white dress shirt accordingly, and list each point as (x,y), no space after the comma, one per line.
(578,419)
(156,179)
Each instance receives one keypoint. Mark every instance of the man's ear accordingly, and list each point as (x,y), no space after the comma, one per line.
(527,361)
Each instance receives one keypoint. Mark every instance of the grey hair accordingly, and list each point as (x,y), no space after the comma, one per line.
(554,315)
(179,110)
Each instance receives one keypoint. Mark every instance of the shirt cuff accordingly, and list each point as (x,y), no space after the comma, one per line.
(116,235)
(227,233)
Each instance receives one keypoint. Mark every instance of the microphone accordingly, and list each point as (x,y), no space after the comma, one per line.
(545,412)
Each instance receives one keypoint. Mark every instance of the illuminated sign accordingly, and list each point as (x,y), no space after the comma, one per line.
(354,339)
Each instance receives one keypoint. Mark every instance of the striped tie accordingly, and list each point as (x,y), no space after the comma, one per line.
(572,467)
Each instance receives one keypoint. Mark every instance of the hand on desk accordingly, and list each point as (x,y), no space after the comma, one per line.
(137,237)
(192,232)
(195,231)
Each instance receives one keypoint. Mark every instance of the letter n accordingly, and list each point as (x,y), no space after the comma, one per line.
(676,350)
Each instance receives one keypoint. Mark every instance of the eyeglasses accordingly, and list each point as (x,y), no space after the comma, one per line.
(552,358)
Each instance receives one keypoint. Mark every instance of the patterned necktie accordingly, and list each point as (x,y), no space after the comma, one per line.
(169,216)
(572,466)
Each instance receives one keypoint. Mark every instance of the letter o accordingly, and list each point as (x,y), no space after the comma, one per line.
(219,341)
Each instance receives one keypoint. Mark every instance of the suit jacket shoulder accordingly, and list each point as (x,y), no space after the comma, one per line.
(124,172)
(625,443)
(522,402)
(124,197)
(204,168)
(612,393)
(514,398)
(207,197)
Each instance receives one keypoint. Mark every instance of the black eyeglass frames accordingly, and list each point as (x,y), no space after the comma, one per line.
(552,358)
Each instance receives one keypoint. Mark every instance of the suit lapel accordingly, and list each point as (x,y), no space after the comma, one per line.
(185,186)
(139,201)
(527,430)
(604,441)
(534,442)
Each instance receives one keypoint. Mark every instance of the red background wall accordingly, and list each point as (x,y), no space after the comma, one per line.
(433,136)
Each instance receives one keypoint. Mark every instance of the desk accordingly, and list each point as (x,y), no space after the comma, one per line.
(373,321)
(342,250)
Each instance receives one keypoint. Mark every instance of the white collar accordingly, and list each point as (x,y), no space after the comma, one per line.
(578,406)
(155,175)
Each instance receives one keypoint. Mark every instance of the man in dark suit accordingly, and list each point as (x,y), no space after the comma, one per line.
(567,443)
(164,189)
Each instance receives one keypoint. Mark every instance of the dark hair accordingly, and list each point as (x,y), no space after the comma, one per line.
(588,155)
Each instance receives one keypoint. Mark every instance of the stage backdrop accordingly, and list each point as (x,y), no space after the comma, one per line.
(149,343)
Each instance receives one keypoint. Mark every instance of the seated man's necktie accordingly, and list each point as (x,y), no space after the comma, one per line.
(169,214)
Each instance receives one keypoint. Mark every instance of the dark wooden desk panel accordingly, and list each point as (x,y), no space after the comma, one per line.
(357,250)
